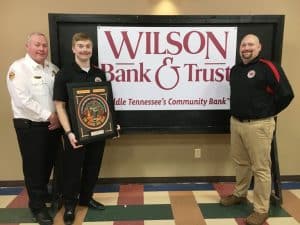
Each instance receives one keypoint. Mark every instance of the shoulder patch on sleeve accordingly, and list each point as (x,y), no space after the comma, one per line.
(11,75)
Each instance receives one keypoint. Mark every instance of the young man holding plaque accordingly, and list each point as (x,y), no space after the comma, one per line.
(81,163)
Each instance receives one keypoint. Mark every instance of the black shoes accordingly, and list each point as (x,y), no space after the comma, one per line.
(56,205)
(93,204)
(42,217)
(69,215)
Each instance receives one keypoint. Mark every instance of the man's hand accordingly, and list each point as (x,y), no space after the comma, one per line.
(118,133)
(73,140)
(54,121)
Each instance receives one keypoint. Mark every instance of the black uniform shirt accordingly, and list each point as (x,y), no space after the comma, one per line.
(74,74)
(249,84)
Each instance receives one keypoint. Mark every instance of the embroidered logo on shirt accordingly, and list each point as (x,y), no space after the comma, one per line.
(251,74)
(98,79)
(11,75)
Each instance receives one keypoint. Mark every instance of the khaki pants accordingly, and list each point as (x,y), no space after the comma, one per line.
(250,149)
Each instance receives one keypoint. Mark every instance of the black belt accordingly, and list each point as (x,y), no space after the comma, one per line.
(243,120)
(25,123)
(248,120)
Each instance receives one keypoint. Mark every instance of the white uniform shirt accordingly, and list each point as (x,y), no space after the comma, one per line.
(30,86)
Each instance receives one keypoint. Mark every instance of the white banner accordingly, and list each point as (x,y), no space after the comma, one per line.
(168,68)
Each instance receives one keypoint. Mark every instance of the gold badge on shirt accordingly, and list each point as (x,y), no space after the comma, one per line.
(11,75)
(98,79)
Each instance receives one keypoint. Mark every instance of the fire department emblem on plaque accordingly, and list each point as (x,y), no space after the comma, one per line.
(93,111)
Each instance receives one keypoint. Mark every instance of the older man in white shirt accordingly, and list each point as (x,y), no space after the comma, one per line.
(30,85)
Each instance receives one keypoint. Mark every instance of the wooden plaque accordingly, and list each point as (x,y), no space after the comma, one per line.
(91,111)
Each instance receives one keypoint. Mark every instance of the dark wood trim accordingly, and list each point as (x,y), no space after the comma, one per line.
(11,183)
(290,178)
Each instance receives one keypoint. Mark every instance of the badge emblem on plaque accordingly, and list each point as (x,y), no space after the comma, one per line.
(92,111)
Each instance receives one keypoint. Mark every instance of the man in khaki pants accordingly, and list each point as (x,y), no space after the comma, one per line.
(259,91)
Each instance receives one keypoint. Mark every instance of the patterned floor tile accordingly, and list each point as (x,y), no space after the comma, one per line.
(206,196)
(155,204)
(296,192)
(107,198)
(159,222)
(185,208)
(99,223)
(156,197)
(221,222)
(282,221)
(6,199)
(28,224)
(10,190)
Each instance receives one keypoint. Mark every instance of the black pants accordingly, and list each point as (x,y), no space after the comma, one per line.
(80,171)
(57,182)
(38,146)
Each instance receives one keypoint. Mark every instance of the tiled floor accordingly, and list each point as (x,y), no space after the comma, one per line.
(158,204)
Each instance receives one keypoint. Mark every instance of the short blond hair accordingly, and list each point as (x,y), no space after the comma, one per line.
(80,37)
(34,34)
